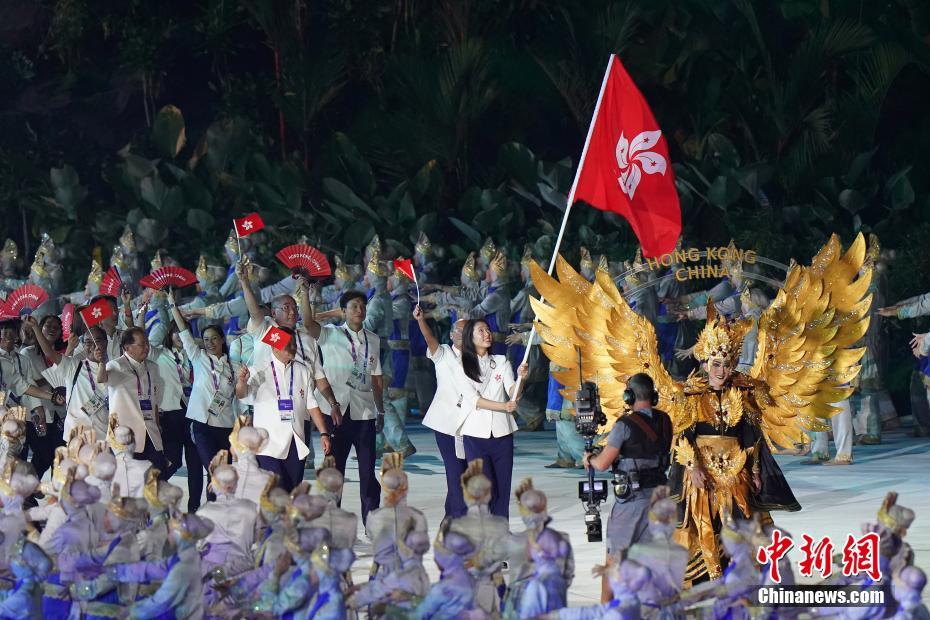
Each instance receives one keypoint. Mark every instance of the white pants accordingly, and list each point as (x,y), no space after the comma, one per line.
(842,427)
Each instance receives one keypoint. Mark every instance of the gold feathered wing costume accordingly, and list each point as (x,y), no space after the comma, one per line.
(804,362)
(804,357)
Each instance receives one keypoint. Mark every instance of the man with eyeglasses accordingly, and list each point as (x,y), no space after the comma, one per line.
(284,314)
(134,391)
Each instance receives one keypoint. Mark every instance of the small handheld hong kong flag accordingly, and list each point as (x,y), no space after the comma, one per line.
(405,266)
(625,167)
(96,312)
(276,338)
(248,224)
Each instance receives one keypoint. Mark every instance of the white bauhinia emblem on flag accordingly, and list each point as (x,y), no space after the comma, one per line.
(96,312)
(274,337)
(247,225)
(634,158)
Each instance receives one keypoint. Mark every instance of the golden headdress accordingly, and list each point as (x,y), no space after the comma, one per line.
(720,340)
(745,299)
(38,263)
(236,447)
(732,262)
(636,275)
(115,444)
(150,490)
(475,485)
(202,272)
(374,245)
(894,517)
(157,262)
(376,266)
(805,356)
(10,250)
(602,264)
(530,501)
(264,500)
(423,245)
(586,263)
(126,508)
(390,462)
(117,259)
(127,240)
(499,265)
(488,250)
(341,272)
(220,459)
(96,273)
(468,269)
(232,243)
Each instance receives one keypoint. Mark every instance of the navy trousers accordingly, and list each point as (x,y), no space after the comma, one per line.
(176,437)
(209,440)
(290,470)
(455,501)
(156,457)
(361,435)
(497,454)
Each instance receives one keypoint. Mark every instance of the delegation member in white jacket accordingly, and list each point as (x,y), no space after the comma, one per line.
(488,427)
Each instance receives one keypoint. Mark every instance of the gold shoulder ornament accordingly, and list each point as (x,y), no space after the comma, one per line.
(805,356)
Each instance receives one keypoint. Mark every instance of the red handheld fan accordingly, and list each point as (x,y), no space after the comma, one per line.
(175,277)
(25,300)
(111,283)
(305,260)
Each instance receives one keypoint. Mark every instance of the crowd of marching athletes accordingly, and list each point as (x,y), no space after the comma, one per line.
(106,392)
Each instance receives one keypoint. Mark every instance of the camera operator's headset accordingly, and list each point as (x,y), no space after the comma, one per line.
(629,397)
(622,483)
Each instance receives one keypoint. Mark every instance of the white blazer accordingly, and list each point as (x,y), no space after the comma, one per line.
(449,407)
(496,383)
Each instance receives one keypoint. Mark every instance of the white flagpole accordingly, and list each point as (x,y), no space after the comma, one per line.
(568,206)
(238,238)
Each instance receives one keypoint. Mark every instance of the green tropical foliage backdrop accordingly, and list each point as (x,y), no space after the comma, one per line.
(787,120)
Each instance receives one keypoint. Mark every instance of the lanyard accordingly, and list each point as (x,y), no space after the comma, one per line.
(216,383)
(300,342)
(178,364)
(276,388)
(139,381)
(90,377)
(355,353)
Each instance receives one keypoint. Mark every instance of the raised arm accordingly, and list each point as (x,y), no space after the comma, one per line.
(126,298)
(251,302)
(303,299)
(47,349)
(431,343)
(176,313)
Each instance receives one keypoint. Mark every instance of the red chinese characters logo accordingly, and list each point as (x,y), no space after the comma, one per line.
(817,557)
(772,553)
(860,556)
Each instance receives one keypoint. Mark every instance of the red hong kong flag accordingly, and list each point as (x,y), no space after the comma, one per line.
(96,312)
(625,167)
(249,224)
(405,266)
(277,338)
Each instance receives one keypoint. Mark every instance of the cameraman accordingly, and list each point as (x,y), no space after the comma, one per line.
(637,450)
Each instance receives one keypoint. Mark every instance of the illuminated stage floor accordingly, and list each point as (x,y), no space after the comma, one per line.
(835,500)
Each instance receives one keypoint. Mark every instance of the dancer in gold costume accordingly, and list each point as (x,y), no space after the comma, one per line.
(725,422)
